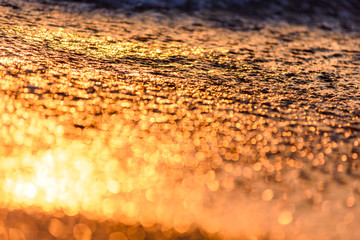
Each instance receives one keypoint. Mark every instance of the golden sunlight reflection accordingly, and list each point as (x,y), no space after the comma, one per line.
(134,182)
(171,131)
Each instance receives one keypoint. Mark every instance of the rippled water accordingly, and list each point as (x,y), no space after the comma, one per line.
(194,4)
(337,7)
(123,125)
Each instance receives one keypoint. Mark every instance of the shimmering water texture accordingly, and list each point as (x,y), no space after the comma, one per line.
(121,125)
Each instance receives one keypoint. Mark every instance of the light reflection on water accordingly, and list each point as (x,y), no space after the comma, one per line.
(148,183)
(111,138)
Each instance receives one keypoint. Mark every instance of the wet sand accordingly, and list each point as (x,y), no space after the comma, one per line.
(119,124)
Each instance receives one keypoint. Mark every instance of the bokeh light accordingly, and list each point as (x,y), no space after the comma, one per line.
(114,127)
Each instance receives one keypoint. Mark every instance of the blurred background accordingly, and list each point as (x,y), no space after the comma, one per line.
(343,13)
(302,5)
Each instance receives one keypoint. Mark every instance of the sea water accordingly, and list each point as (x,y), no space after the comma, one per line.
(189,4)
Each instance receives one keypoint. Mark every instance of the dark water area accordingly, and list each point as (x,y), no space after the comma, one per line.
(328,15)
(337,7)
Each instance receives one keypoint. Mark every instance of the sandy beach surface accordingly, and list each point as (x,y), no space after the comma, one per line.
(161,124)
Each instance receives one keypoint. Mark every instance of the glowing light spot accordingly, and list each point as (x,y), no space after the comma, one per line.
(350,201)
(293,148)
(51,194)
(57,228)
(285,217)
(150,195)
(82,232)
(18,189)
(213,185)
(267,195)
(113,186)
(340,168)
(71,210)
(30,190)
(108,208)
(257,166)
